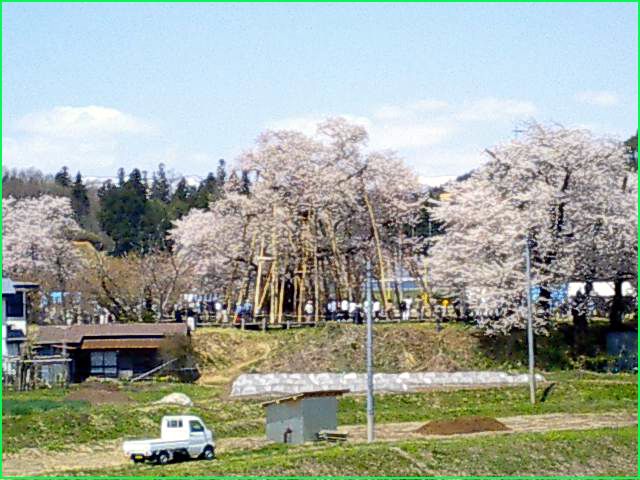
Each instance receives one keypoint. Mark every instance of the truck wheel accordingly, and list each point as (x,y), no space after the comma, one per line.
(137,460)
(163,458)
(209,453)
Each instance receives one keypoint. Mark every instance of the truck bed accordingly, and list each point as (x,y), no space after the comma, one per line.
(145,446)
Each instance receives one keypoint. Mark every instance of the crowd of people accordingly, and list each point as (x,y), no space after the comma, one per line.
(216,310)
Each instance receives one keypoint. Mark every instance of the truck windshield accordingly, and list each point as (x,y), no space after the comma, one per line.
(196,426)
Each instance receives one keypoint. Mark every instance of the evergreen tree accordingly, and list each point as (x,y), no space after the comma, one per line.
(632,152)
(122,214)
(62,178)
(80,199)
(183,191)
(221,173)
(182,199)
(145,180)
(245,183)
(155,224)
(160,188)
(136,183)
(209,191)
(121,176)
(105,188)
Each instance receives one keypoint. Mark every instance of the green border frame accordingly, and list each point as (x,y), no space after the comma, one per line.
(305,476)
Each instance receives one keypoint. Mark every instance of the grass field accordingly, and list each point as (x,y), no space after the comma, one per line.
(43,424)
(75,423)
(590,452)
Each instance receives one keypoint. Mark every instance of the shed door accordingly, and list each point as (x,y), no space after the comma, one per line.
(104,363)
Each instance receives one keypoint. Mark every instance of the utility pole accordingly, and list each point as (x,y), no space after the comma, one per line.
(532,376)
(399,269)
(370,405)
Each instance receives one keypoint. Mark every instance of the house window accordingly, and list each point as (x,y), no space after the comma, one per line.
(13,349)
(104,364)
(15,304)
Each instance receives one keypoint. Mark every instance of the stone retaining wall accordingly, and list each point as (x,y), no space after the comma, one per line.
(268,384)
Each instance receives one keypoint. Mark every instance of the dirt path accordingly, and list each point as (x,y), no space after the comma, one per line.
(106,455)
(211,378)
(520,424)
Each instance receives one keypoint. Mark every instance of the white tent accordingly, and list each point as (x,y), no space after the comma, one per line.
(600,289)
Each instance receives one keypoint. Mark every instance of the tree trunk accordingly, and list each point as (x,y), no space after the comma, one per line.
(580,316)
(616,312)
(316,273)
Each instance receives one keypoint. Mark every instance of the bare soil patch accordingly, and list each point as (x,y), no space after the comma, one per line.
(98,394)
(462,425)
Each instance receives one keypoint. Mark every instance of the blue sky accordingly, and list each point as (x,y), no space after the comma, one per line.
(99,86)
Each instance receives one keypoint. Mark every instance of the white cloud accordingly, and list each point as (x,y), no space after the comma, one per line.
(601,98)
(82,122)
(383,135)
(422,131)
(492,109)
(419,129)
(83,138)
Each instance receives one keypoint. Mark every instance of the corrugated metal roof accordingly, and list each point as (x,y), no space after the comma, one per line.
(121,343)
(301,395)
(25,285)
(76,333)
(7,286)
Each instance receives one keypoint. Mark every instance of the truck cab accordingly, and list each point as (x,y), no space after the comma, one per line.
(189,428)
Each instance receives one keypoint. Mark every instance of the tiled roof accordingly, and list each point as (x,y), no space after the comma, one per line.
(76,333)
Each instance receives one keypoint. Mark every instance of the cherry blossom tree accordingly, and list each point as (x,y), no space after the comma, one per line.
(37,234)
(317,208)
(566,192)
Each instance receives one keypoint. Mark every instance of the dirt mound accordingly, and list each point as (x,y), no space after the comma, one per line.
(176,398)
(462,425)
(99,394)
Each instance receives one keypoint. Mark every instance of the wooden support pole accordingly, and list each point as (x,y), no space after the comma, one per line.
(256,300)
(376,238)
(316,277)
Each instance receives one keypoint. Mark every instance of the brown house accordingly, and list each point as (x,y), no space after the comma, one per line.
(115,350)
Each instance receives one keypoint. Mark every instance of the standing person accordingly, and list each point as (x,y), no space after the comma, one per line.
(248,311)
(403,310)
(332,309)
(376,309)
(344,310)
(308,310)
(357,315)
(352,309)
(408,302)
(218,309)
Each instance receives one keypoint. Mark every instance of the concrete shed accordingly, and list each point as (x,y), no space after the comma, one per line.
(299,418)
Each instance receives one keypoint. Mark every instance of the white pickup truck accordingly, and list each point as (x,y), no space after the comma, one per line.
(181,436)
